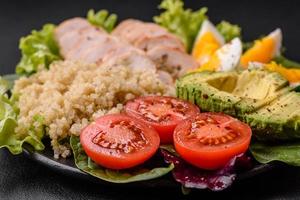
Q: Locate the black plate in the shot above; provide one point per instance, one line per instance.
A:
(67, 167)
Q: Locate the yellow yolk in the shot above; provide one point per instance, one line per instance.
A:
(207, 42)
(260, 52)
(211, 65)
(205, 47)
(263, 50)
(292, 75)
(226, 58)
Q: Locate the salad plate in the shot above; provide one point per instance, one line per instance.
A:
(68, 167)
(179, 101)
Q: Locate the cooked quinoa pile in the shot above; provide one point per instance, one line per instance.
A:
(70, 95)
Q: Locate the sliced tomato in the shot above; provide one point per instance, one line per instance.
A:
(162, 113)
(118, 141)
(210, 140)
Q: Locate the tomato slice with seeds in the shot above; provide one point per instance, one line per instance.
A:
(119, 142)
(210, 140)
(162, 113)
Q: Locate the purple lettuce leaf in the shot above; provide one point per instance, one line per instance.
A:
(216, 180)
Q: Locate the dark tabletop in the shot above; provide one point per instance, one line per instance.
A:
(21, 178)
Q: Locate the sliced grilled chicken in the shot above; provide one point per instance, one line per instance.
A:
(165, 77)
(134, 59)
(67, 42)
(171, 60)
(148, 43)
(95, 46)
(68, 34)
(147, 35)
(144, 30)
(87, 39)
(97, 52)
(132, 30)
(124, 26)
(70, 25)
(162, 47)
(164, 51)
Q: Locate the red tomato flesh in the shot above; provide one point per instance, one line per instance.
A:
(210, 140)
(162, 113)
(119, 142)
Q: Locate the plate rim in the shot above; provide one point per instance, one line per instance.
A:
(73, 171)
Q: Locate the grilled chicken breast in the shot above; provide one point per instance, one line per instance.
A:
(165, 49)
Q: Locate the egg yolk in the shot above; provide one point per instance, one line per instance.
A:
(292, 75)
(262, 51)
(204, 47)
(212, 65)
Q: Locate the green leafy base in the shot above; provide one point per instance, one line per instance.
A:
(141, 173)
(288, 153)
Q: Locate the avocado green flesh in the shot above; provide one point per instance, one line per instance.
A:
(260, 98)
(282, 117)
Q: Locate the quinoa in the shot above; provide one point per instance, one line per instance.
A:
(70, 95)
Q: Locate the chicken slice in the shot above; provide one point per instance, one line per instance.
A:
(165, 77)
(172, 61)
(131, 30)
(88, 38)
(129, 56)
(70, 25)
(148, 43)
(67, 42)
(124, 26)
(97, 52)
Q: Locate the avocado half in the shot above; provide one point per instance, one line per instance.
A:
(260, 98)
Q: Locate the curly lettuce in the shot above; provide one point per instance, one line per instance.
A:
(228, 30)
(8, 122)
(185, 23)
(39, 50)
(102, 19)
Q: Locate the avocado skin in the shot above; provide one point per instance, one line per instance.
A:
(206, 97)
(265, 125)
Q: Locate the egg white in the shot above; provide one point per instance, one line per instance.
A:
(229, 55)
(207, 26)
(276, 36)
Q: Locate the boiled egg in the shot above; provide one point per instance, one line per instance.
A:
(263, 50)
(291, 74)
(207, 42)
(225, 58)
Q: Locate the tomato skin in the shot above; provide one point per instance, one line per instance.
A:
(211, 156)
(165, 129)
(111, 157)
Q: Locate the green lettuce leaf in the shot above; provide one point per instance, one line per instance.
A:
(84, 163)
(102, 19)
(170, 148)
(286, 62)
(39, 50)
(288, 152)
(7, 82)
(8, 137)
(185, 23)
(8, 122)
(297, 88)
(4, 85)
(228, 30)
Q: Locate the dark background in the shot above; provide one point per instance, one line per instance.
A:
(21, 178)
